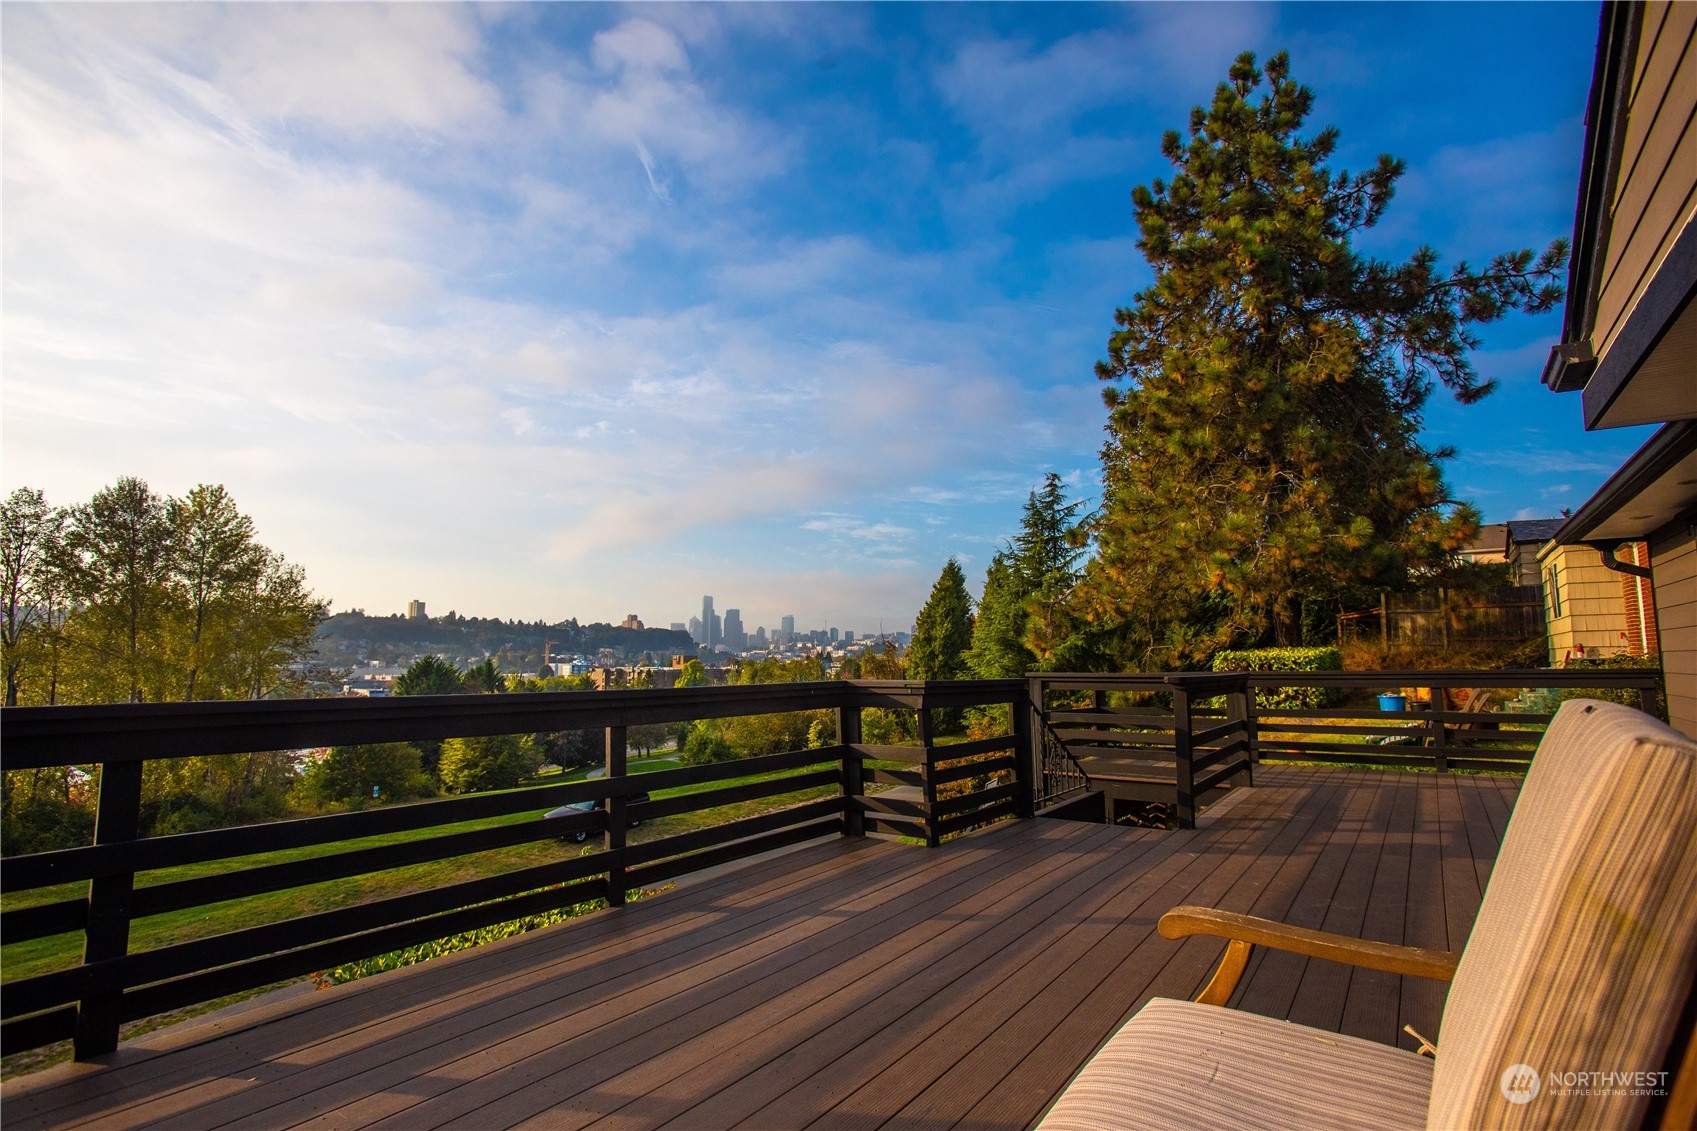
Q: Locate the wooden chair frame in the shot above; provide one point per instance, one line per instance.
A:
(1245, 932)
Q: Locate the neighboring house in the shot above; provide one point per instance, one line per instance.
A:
(1630, 338)
(1488, 546)
(1590, 608)
(1524, 539)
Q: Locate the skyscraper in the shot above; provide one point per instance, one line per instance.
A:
(735, 639)
(788, 629)
(708, 637)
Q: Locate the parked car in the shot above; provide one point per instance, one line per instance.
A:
(575, 807)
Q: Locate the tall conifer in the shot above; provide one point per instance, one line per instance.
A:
(1265, 414)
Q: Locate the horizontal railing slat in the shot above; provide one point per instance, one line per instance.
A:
(914, 754)
(43, 920)
(730, 795)
(23, 1033)
(254, 973)
(1203, 737)
(894, 826)
(892, 777)
(978, 817)
(663, 870)
(44, 869)
(730, 830)
(974, 748)
(949, 806)
(972, 769)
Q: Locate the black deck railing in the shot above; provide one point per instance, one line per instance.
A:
(1143, 737)
(1201, 731)
(958, 787)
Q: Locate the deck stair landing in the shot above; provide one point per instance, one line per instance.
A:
(850, 984)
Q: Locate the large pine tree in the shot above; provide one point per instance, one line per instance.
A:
(1264, 447)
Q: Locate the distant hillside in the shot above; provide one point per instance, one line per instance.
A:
(518, 645)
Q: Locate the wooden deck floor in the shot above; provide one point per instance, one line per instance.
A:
(852, 984)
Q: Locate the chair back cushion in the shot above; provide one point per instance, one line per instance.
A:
(1583, 951)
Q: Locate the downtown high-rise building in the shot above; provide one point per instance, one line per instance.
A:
(709, 623)
(787, 629)
(735, 638)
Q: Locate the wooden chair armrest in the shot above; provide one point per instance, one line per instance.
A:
(1248, 931)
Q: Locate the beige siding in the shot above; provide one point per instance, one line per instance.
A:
(1673, 559)
(1593, 612)
(1656, 195)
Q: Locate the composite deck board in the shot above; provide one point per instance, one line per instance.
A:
(1323, 994)
(346, 1016)
(852, 983)
(638, 1016)
(1150, 966)
(1371, 1007)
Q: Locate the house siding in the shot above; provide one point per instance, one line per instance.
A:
(1673, 560)
(1656, 196)
(1593, 620)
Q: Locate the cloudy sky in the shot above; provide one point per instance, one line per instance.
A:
(579, 310)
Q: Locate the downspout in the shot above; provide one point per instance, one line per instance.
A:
(1608, 549)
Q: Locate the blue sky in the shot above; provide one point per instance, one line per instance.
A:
(580, 310)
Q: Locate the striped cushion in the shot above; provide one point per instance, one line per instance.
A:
(1585, 943)
(1179, 1064)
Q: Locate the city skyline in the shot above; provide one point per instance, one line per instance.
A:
(563, 311)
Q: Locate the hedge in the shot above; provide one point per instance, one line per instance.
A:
(1286, 660)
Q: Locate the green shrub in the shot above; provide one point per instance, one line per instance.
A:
(1286, 660)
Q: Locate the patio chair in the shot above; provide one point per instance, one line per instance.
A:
(1581, 960)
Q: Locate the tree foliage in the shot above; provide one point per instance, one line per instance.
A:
(500, 761)
(1023, 619)
(1264, 423)
(942, 632)
(429, 675)
(135, 597)
(364, 775)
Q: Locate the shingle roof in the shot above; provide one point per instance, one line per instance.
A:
(1534, 531)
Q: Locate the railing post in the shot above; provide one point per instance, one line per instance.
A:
(614, 838)
(928, 768)
(1039, 739)
(853, 771)
(1651, 703)
(107, 936)
(1440, 729)
(1239, 705)
(1025, 768)
(1183, 757)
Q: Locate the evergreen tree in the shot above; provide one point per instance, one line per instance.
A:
(1023, 618)
(998, 632)
(484, 678)
(943, 632)
(429, 675)
(1263, 445)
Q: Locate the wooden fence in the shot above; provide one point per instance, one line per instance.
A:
(958, 787)
(1173, 738)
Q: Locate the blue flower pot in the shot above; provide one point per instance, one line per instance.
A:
(1393, 702)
